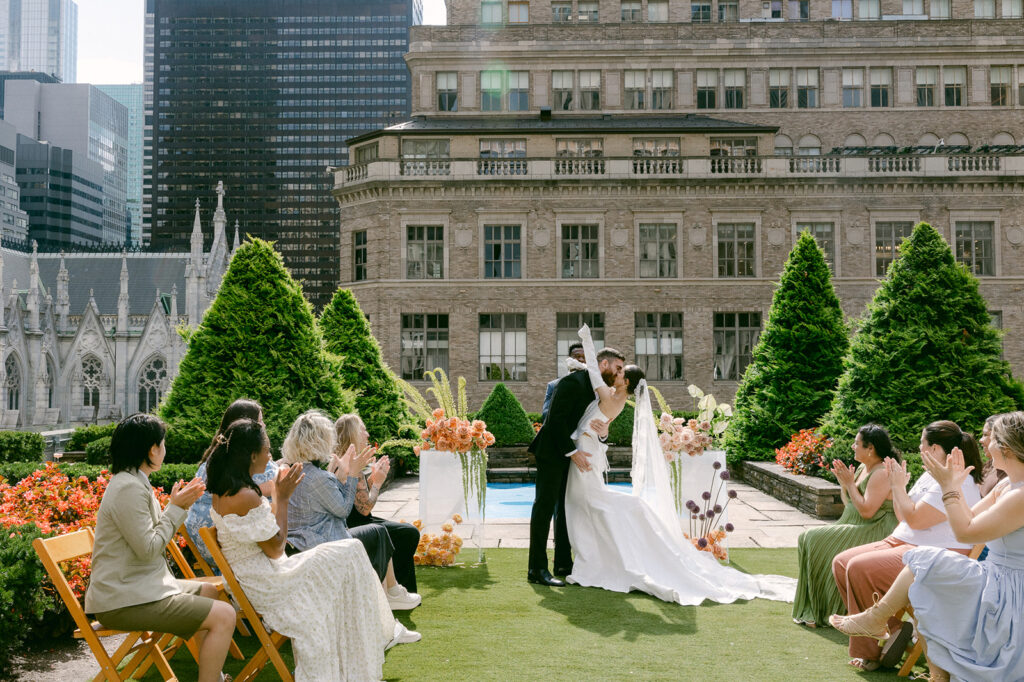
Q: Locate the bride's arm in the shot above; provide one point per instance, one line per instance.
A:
(593, 370)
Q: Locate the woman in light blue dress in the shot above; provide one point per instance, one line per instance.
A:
(970, 613)
(199, 513)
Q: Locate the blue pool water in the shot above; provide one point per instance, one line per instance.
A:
(514, 500)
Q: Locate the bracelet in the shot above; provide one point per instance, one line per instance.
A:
(951, 496)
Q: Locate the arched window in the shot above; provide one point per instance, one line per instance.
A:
(883, 140)
(810, 145)
(47, 379)
(854, 140)
(92, 378)
(1003, 138)
(928, 140)
(958, 139)
(152, 384)
(13, 382)
(783, 145)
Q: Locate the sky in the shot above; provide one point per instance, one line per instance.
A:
(110, 38)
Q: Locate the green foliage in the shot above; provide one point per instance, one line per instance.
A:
(620, 431)
(925, 350)
(185, 446)
(169, 474)
(258, 340)
(505, 418)
(21, 446)
(26, 607)
(378, 398)
(400, 452)
(98, 451)
(13, 472)
(84, 435)
(535, 417)
(796, 363)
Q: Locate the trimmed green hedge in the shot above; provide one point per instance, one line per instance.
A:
(84, 435)
(98, 451)
(620, 431)
(505, 418)
(20, 446)
(165, 478)
(26, 607)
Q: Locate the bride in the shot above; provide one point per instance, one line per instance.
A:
(626, 541)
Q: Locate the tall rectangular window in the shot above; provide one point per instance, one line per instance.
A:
(1013, 9)
(735, 335)
(659, 345)
(424, 344)
(662, 86)
(518, 12)
(868, 9)
(984, 9)
(561, 12)
(658, 250)
(580, 258)
(367, 153)
(707, 88)
(491, 87)
(842, 9)
(853, 88)
(590, 90)
(881, 87)
(359, 256)
(657, 11)
(561, 90)
(913, 7)
(519, 91)
(775, 9)
(825, 235)
(490, 13)
(975, 246)
(939, 9)
(728, 10)
(587, 12)
(503, 252)
(807, 88)
(567, 326)
(954, 82)
(799, 10)
(888, 237)
(999, 83)
(447, 91)
(926, 77)
(735, 81)
(736, 249)
(503, 347)
(700, 11)
(424, 252)
(631, 12)
(636, 89)
(778, 88)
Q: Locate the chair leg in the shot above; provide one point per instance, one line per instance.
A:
(108, 664)
(241, 626)
(253, 667)
(915, 653)
(275, 658)
(235, 652)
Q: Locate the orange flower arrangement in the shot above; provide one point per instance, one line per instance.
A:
(711, 542)
(452, 434)
(438, 549)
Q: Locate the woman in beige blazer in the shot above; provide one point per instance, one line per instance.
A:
(131, 587)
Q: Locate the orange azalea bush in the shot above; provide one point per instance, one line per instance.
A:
(804, 453)
(452, 434)
(440, 549)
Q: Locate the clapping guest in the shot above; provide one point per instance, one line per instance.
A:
(968, 612)
(199, 513)
(867, 517)
(862, 572)
(575, 353)
(131, 587)
(404, 536)
(990, 475)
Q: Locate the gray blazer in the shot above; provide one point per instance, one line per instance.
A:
(128, 564)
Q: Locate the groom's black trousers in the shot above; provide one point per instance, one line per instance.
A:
(550, 501)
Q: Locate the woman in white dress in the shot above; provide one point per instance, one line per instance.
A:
(626, 541)
(328, 600)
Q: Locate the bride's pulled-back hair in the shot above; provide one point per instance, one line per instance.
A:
(633, 375)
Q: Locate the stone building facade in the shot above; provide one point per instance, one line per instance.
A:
(87, 337)
(645, 166)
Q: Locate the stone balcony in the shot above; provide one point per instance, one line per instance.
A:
(903, 166)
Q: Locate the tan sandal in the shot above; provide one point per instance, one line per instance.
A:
(855, 626)
(865, 664)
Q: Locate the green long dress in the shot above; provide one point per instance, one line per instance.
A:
(817, 596)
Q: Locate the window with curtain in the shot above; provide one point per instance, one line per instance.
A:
(734, 338)
(424, 344)
(502, 347)
(659, 345)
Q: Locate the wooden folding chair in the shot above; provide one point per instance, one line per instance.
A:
(270, 642)
(917, 648)
(204, 567)
(146, 647)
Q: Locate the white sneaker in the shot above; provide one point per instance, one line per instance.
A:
(403, 635)
(400, 599)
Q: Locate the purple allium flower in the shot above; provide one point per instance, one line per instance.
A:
(718, 509)
(701, 516)
(716, 465)
(729, 528)
(724, 476)
(705, 495)
(693, 516)
(732, 494)
(690, 504)
(702, 543)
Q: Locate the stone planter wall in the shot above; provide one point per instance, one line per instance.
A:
(809, 494)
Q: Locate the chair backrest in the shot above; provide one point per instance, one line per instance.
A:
(54, 551)
(209, 536)
(201, 562)
(179, 559)
(976, 550)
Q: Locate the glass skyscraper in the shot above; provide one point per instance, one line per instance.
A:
(131, 97)
(40, 35)
(262, 94)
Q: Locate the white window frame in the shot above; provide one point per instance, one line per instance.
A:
(833, 216)
(439, 217)
(982, 215)
(488, 217)
(736, 216)
(649, 217)
(579, 218)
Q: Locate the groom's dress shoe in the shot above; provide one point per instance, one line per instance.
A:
(563, 571)
(540, 576)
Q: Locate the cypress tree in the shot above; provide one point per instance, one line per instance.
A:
(925, 350)
(258, 340)
(378, 398)
(505, 418)
(796, 364)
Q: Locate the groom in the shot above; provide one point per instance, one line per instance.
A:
(553, 448)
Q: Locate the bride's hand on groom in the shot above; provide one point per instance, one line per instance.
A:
(600, 427)
(581, 460)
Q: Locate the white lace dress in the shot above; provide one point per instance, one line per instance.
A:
(327, 599)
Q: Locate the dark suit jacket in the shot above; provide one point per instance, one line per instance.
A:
(554, 440)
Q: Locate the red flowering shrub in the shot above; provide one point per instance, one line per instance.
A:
(804, 453)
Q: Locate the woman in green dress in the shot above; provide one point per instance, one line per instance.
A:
(867, 517)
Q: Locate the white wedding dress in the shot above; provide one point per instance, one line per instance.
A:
(633, 541)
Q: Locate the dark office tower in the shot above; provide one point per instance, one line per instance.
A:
(262, 94)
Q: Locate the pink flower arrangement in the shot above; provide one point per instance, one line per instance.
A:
(678, 435)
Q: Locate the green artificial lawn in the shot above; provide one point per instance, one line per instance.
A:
(487, 623)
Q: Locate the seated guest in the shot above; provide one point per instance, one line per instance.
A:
(575, 353)
(328, 600)
(404, 536)
(864, 571)
(199, 513)
(968, 612)
(319, 509)
(867, 517)
(131, 587)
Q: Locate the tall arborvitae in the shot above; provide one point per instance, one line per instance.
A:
(925, 350)
(378, 398)
(797, 361)
(258, 340)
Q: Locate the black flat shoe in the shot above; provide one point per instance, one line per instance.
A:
(540, 576)
(563, 571)
(896, 646)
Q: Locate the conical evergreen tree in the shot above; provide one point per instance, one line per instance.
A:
(925, 350)
(258, 340)
(797, 361)
(505, 418)
(378, 398)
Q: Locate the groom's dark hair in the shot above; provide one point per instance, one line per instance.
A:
(609, 353)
